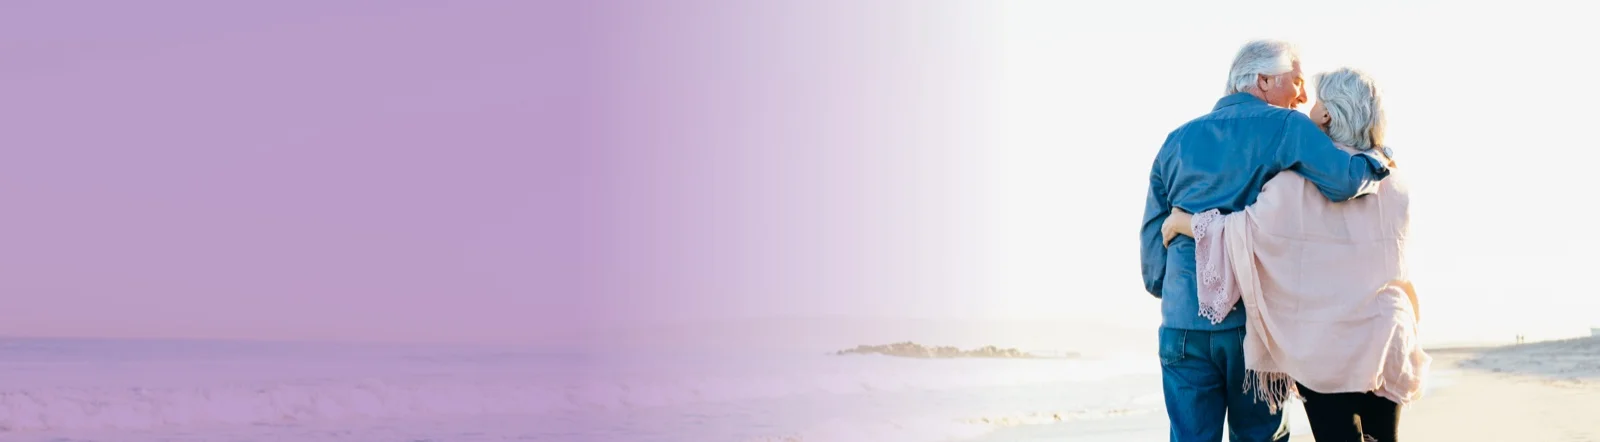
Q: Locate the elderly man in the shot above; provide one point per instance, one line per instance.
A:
(1220, 161)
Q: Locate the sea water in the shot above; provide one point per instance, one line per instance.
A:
(131, 390)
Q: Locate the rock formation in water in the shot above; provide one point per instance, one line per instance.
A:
(914, 350)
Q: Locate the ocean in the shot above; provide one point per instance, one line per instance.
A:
(169, 390)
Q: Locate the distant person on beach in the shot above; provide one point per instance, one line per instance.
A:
(1331, 314)
(1220, 161)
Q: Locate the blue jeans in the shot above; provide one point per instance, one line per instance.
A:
(1202, 377)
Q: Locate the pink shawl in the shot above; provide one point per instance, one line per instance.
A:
(1326, 294)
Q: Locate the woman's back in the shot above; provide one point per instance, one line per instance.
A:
(1341, 254)
(1333, 281)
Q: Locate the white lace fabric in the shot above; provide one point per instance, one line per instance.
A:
(1217, 291)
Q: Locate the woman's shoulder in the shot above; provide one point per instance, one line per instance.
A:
(1287, 190)
(1291, 185)
(1397, 183)
(1287, 179)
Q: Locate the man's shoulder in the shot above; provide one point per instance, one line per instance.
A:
(1290, 116)
(1245, 115)
(1227, 123)
(1268, 114)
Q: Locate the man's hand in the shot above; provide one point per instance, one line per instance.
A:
(1176, 224)
(1379, 154)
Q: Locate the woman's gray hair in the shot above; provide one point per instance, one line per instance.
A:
(1355, 107)
(1260, 57)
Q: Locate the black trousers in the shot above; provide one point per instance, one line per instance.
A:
(1346, 417)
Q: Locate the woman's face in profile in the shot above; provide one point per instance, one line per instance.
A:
(1319, 115)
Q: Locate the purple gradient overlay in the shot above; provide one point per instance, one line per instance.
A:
(783, 159)
(480, 171)
(485, 170)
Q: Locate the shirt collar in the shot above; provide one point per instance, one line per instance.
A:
(1238, 98)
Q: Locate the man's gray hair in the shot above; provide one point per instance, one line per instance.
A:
(1355, 107)
(1260, 57)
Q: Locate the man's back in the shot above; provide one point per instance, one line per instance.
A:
(1220, 161)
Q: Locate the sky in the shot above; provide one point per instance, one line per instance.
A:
(507, 170)
(1491, 132)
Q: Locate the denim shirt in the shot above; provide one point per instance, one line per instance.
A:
(1220, 161)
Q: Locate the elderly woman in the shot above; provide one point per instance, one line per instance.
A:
(1331, 313)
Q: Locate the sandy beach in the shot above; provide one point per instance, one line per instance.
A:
(1547, 391)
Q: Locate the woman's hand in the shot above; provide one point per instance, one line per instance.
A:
(1177, 224)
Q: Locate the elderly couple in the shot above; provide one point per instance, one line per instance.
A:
(1276, 243)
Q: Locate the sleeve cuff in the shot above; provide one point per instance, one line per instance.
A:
(1379, 166)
